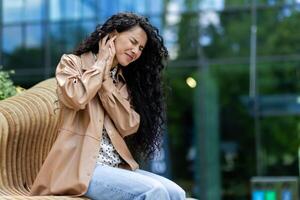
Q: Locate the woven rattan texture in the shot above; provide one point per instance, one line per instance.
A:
(28, 128)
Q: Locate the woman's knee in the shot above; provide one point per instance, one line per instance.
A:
(180, 194)
(176, 192)
(155, 191)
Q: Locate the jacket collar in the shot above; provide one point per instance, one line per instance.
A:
(88, 60)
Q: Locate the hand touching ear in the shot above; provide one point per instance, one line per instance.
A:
(107, 52)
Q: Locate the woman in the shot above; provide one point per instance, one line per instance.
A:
(110, 94)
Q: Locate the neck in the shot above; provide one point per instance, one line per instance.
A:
(115, 62)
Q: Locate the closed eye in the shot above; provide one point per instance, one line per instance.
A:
(135, 42)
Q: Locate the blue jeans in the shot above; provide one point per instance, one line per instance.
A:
(111, 183)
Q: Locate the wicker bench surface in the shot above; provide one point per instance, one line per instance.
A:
(28, 128)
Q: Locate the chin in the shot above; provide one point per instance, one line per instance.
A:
(124, 64)
(123, 61)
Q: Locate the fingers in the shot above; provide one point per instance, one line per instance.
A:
(111, 46)
(102, 42)
(110, 41)
(113, 38)
(107, 49)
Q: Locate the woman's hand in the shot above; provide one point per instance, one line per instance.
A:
(107, 52)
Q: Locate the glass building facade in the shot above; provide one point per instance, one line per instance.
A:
(226, 122)
(44, 29)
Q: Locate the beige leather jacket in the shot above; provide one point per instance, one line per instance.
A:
(89, 101)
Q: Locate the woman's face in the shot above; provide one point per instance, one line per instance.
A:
(129, 45)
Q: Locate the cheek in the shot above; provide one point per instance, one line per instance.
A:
(138, 55)
(119, 44)
(122, 42)
(120, 49)
(117, 48)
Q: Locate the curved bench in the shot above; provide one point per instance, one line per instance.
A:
(28, 128)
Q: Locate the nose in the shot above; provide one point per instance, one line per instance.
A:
(135, 50)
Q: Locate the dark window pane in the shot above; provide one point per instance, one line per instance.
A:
(57, 42)
(26, 59)
(66, 36)
(72, 40)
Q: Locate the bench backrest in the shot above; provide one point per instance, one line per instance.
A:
(28, 128)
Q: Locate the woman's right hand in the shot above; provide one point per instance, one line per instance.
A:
(106, 51)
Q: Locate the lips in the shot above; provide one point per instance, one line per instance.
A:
(130, 57)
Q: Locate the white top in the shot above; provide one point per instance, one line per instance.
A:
(108, 154)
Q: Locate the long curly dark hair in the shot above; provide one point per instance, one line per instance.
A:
(143, 79)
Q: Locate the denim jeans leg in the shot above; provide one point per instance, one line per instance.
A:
(110, 183)
(174, 190)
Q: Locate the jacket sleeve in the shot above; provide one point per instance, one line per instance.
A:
(76, 88)
(118, 107)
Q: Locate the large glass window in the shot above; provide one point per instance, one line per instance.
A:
(55, 10)
(33, 10)
(87, 28)
(77, 34)
(62, 10)
(13, 11)
(89, 8)
(156, 7)
(22, 10)
(12, 38)
(107, 8)
(157, 22)
(33, 36)
(58, 44)
(141, 6)
(70, 9)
